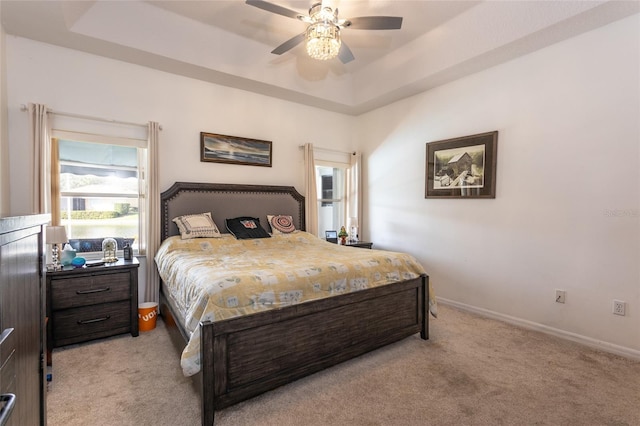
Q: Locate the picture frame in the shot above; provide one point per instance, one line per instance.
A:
(463, 167)
(218, 148)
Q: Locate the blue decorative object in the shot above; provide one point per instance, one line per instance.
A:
(78, 262)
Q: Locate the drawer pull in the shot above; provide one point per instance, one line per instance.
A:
(9, 401)
(98, 290)
(91, 321)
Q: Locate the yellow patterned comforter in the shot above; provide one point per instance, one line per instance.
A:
(211, 279)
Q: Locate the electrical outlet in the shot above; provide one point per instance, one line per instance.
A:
(619, 307)
(560, 295)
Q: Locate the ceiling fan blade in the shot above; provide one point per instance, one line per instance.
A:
(288, 45)
(345, 55)
(274, 8)
(375, 23)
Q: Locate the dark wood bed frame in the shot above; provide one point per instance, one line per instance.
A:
(246, 356)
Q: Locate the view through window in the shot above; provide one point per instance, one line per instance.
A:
(331, 190)
(101, 193)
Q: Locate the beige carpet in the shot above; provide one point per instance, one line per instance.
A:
(473, 371)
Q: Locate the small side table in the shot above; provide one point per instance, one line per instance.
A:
(92, 302)
(361, 244)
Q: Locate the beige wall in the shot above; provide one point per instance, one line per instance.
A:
(567, 210)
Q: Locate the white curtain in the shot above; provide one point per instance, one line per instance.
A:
(311, 197)
(152, 288)
(39, 133)
(354, 191)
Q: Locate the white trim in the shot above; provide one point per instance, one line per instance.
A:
(587, 341)
(332, 164)
(99, 195)
(89, 117)
(96, 138)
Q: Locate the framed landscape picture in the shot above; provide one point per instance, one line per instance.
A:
(462, 167)
(234, 150)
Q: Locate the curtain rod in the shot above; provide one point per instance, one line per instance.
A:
(330, 150)
(23, 107)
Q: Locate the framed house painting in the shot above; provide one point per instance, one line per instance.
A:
(462, 167)
(234, 150)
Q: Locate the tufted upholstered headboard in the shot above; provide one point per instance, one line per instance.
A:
(226, 201)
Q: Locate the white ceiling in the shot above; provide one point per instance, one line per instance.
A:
(229, 42)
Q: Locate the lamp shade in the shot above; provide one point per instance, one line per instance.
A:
(56, 235)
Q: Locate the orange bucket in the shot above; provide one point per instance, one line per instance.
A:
(147, 313)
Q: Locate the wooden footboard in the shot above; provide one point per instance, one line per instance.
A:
(244, 357)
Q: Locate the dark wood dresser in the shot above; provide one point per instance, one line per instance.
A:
(22, 320)
(92, 302)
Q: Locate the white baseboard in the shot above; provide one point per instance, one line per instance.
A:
(587, 341)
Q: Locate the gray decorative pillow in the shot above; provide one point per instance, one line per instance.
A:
(197, 226)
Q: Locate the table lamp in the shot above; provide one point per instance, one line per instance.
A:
(56, 235)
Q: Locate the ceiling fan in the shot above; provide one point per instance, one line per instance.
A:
(322, 36)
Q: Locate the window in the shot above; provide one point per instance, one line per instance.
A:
(101, 194)
(338, 197)
(331, 191)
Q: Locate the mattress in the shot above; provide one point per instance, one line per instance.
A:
(213, 279)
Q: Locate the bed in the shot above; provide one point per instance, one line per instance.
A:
(239, 357)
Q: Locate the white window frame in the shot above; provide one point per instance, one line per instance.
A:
(136, 142)
(345, 196)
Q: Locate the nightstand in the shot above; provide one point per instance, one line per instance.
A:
(361, 244)
(92, 302)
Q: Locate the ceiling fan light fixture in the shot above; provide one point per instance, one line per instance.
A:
(322, 36)
(323, 40)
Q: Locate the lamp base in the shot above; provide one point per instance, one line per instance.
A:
(51, 267)
(56, 265)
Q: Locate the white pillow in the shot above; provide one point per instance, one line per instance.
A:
(197, 226)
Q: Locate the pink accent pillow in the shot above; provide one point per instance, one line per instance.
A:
(281, 224)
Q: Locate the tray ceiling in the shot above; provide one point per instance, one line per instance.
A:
(229, 42)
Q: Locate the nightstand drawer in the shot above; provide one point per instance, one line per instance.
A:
(91, 322)
(89, 290)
